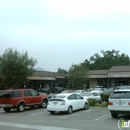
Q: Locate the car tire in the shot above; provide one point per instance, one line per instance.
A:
(70, 109)
(7, 109)
(85, 106)
(52, 112)
(44, 103)
(21, 107)
(114, 115)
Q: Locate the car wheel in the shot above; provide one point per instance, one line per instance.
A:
(44, 103)
(85, 106)
(52, 112)
(7, 109)
(114, 115)
(21, 107)
(70, 110)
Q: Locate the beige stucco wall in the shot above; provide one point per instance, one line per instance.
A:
(92, 83)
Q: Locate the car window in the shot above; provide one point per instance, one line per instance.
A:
(59, 96)
(96, 94)
(82, 91)
(27, 93)
(2, 93)
(120, 95)
(5, 94)
(77, 96)
(33, 92)
(93, 94)
(85, 94)
(71, 97)
(17, 94)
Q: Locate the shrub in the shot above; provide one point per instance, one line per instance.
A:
(105, 97)
(91, 101)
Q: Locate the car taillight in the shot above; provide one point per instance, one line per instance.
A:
(110, 103)
(63, 103)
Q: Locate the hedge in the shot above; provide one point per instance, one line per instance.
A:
(105, 97)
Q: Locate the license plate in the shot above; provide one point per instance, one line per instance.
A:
(55, 103)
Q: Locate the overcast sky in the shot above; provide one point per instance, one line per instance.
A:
(59, 33)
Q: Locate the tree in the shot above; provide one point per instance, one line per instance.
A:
(78, 76)
(15, 67)
(106, 60)
(62, 71)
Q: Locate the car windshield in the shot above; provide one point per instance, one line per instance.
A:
(122, 87)
(59, 96)
(85, 94)
(120, 95)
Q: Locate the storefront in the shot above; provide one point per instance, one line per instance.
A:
(115, 76)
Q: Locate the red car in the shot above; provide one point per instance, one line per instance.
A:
(20, 98)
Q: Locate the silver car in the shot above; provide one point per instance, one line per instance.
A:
(119, 102)
(94, 95)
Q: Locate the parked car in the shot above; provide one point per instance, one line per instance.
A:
(49, 96)
(20, 98)
(67, 91)
(94, 95)
(57, 90)
(99, 87)
(122, 87)
(90, 89)
(46, 90)
(79, 91)
(67, 102)
(100, 90)
(119, 102)
(108, 91)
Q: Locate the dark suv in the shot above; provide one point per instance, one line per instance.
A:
(46, 90)
(57, 90)
(20, 98)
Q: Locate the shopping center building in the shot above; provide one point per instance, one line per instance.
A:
(115, 76)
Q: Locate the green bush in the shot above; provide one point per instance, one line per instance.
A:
(91, 101)
(105, 97)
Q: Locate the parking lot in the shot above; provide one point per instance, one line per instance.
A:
(40, 119)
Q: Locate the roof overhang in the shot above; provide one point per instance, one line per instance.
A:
(119, 74)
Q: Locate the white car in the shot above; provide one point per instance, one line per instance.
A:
(100, 90)
(119, 102)
(67, 102)
(79, 91)
(94, 95)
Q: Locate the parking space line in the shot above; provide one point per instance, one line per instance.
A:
(75, 114)
(40, 113)
(103, 117)
(33, 127)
